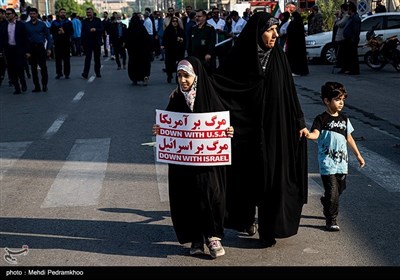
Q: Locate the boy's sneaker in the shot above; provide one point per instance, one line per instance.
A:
(251, 230)
(332, 226)
(215, 247)
(197, 248)
(146, 81)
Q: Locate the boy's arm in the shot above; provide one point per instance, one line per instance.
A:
(356, 152)
(313, 135)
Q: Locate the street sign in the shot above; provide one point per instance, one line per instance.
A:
(363, 7)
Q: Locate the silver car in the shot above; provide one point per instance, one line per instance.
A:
(321, 46)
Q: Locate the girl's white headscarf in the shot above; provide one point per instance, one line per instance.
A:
(190, 95)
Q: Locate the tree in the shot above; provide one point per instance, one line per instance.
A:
(88, 4)
(71, 6)
(328, 9)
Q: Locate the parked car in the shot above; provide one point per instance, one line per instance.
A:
(321, 46)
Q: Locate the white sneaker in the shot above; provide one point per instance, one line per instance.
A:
(215, 247)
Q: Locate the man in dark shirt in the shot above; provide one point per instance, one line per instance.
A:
(62, 31)
(380, 8)
(3, 22)
(202, 41)
(106, 32)
(13, 44)
(92, 30)
(40, 45)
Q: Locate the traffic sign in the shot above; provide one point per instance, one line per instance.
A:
(363, 7)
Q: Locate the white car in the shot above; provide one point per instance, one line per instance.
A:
(321, 46)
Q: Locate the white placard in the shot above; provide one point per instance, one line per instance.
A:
(193, 138)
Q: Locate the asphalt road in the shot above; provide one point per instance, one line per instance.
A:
(79, 186)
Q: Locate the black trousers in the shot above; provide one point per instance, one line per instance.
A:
(105, 45)
(334, 185)
(96, 52)
(119, 51)
(350, 57)
(38, 58)
(62, 56)
(2, 68)
(15, 68)
(76, 46)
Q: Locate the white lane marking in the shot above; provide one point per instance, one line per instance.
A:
(43, 235)
(313, 187)
(385, 132)
(78, 96)
(93, 77)
(80, 180)
(162, 180)
(55, 126)
(161, 172)
(151, 144)
(10, 152)
(379, 169)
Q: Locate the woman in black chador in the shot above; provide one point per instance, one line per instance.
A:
(296, 46)
(174, 45)
(139, 50)
(269, 154)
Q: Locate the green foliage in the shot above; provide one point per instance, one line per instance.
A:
(328, 9)
(200, 4)
(89, 4)
(71, 6)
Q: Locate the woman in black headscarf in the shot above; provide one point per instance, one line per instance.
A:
(269, 154)
(296, 46)
(197, 193)
(139, 49)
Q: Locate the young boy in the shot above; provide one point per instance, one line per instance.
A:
(333, 131)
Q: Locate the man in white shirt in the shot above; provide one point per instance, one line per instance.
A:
(238, 23)
(218, 24)
(148, 24)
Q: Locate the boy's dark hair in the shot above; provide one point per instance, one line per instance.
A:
(332, 90)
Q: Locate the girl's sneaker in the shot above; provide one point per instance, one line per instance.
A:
(215, 247)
